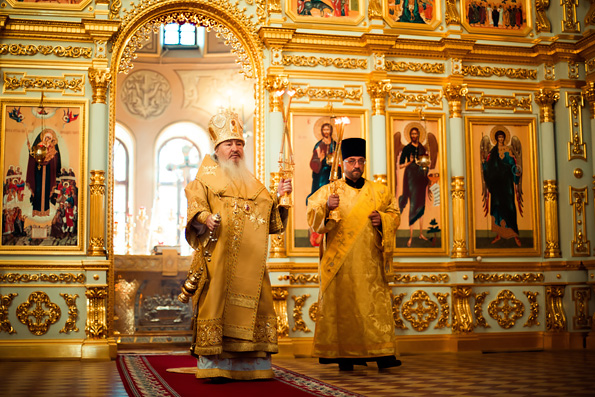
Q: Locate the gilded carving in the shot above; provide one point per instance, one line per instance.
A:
(589, 94)
(581, 297)
(534, 306)
(114, 9)
(274, 84)
(380, 178)
(20, 81)
(59, 51)
(300, 278)
(459, 248)
(313, 311)
(299, 323)
(432, 278)
(5, 301)
(516, 102)
(379, 61)
(261, 11)
(426, 67)
(73, 313)
(333, 94)
(374, 9)
(462, 318)
(578, 200)
(517, 278)
(99, 80)
(570, 24)
(454, 95)
(275, 6)
(451, 15)
(96, 327)
(276, 56)
(590, 17)
(401, 97)
(397, 301)
(66, 278)
(420, 311)
(552, 239)
(573, 70)
(377, 90)
(490, 71)
(555, 318)
(546, 99)
(480, 320)
(542, 23)
(312, 61)
(280, 304)
(549, 71)
(506, 309)
(577, 148)
(42, 316)
(444, 310)
(124, 305)
(97, 214)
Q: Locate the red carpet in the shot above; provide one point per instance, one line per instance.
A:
(146, 375)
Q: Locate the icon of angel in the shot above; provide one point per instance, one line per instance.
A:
(417, 157)
(502, 172)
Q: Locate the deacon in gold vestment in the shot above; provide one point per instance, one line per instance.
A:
(355, 320)
(235, 330)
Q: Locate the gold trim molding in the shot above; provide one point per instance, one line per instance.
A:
(577, 148)
(401, 98)
(280, 304)
(432, 278)
(67, 278)
(59, 51)
(518, 278)
(459, 246)
(97, 214)
(542, 23)
(397, 302)
(96, 327)
(426, 67)
(420, 310)
(73, 313)
(43, 318)
(546, 99)
(581, 246)
(312, 61)
(552, 237)
(5, 301)
(300, 278)
(349, 94)
(20, 82)
(555, 318)
(377, 90)
(444, 310)
(454, 94)
(299, 323)
(480, 320)
(491, 71)
(519, 103)
(534, 307)
(462, 317)
(506, 309)
(581, 297)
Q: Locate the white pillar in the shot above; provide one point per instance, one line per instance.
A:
(378, 146)
(457, 147)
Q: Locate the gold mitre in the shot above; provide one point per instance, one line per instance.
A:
(225, 125)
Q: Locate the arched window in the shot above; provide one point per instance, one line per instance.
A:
(180, 149)
(123, 186)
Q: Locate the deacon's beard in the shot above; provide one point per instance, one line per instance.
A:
(238, 172)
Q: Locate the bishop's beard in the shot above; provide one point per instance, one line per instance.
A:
(237, 172)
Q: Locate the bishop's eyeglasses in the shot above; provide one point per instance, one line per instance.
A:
(352, 162)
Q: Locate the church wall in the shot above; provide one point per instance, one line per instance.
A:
(457, 295)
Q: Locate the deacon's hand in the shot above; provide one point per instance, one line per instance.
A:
(284, 187)
(375, 218)
(333, 201)
(213, 223)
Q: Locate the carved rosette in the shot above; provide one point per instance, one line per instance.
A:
(280, 304)
(277, 249)
(462, 317)
(459, 248)
(444, 310)
(96, 327)
(42, 316)
(397, 301)
(581, 319)
(73, 313)
(581, 246)
(272, 84)
(542, 23)
(97, 214)
(589, 93)
(100, 80)
(546, 99)
(532, 320)
(299, 323)
(506, 309)
(5, 301)
(454, 94)
(378, 90)
(480, 320)
(420, 311)
(555, 318)
(552, 238)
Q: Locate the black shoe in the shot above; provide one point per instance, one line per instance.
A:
(387, 362)
(345, 367)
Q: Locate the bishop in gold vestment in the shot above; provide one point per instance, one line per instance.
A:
(355, 321)
(235, 330)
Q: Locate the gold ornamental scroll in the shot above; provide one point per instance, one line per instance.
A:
(462, 316)
(552, 238)
(97, 214)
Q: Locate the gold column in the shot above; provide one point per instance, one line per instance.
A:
(552, 239)
(97, 214)
(459, 245)
(454, 94)
(277, 249)
(462, 317)
(99, 80)
(378, 90)
(272, 84)
(546, 99)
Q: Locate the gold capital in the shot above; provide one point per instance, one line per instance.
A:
(546, 99)
(378, 90)
(100, 80)
(273, 84)
(454, 94)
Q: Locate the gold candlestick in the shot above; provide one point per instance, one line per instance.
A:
(286, 163)
(340, 124)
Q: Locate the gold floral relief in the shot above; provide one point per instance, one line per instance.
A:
(480, 320)
(20, 82)
(299, 323)
(5, 301)
(519, 103)
(59, 51)
(425, 278)
(274, 84)
(534, 307)
(114, 9)
(377, 90)
(401, 98)
(66, 278)
(349, 94)
(491, 71)
(581, 246)
(517, 278)
(444, 310)
(312, 61)
(462, 318)
(313, 311)
(426, 67)
(73, 313)
(100, 80)
(420, 311)
(542, 23)
(506, 309)
(452, 16)
(280, 304)
(546, 99)
(38, 313)
(96, 327)
(555, 318)
(581, 297)
(397, 301)
(454, 94)
(577, 148)
(300, 278)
